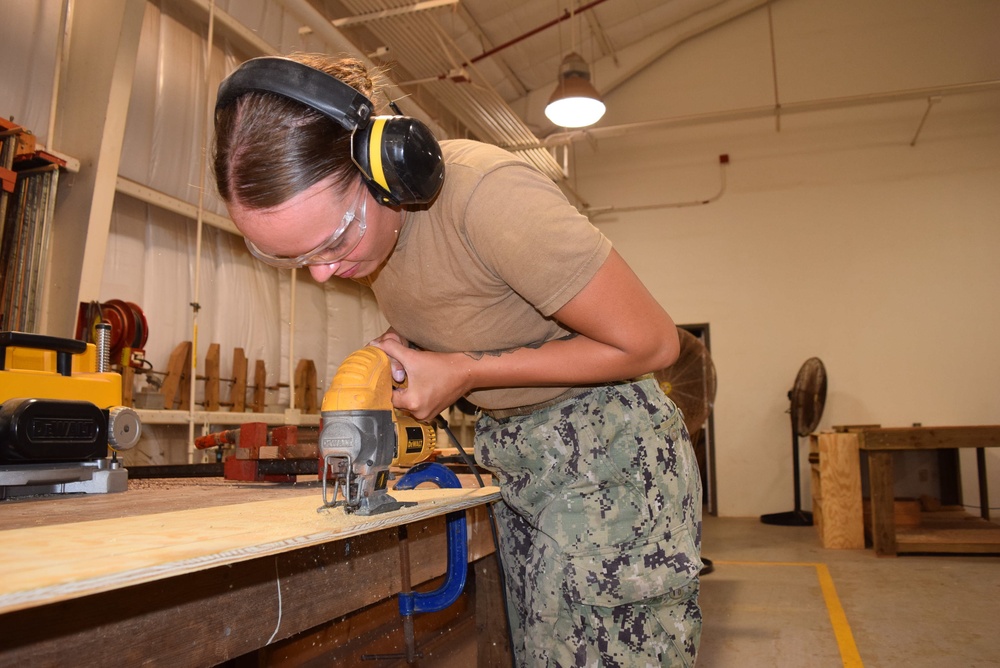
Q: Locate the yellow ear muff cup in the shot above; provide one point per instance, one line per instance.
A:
(375, 153)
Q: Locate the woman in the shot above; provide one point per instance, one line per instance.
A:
(499, 291)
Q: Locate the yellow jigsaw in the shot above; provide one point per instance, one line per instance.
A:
(362, 435)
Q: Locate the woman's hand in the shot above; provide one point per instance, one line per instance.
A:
(434, 381)
(398, 370)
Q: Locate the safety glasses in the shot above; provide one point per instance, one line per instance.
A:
(337, 246)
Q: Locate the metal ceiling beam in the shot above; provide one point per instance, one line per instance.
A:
(601, 37)
(566, 15)
(672, 37)
(385, 13)
(312, 17)
(500, 62)
(749, 113)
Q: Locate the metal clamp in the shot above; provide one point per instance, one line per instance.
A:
(458, 561)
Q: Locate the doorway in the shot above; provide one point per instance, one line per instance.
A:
(704, 440)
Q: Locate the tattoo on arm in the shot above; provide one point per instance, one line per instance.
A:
(480, 354)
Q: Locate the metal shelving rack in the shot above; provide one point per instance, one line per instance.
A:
(30, 179)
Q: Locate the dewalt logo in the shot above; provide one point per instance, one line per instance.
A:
(61, 429)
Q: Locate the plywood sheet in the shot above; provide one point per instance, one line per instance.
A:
(54, 562)
(840, 492)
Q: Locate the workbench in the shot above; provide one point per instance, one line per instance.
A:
(949, 536)
(198, 572)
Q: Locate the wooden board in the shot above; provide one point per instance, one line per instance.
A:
(839, 493)
(54, 562)
(212, 378)
(952, 541)
(950, 531)
(930, 438)
(238, 391)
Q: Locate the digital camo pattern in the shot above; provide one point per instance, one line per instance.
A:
(600, 530)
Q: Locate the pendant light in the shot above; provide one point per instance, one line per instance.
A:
(575, 103)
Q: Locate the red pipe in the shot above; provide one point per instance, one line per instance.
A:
(565, 15)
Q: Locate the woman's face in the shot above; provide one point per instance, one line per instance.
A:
(306, 221)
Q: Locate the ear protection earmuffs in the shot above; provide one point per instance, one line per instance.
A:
(399, 158)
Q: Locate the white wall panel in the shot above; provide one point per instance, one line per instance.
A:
(30, 32)
(835, 238)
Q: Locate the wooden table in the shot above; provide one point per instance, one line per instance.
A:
(879, 444)
(198, 572)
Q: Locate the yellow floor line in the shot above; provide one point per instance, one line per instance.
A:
(838, 619)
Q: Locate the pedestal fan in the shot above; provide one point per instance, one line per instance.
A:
(807, 397)
(690, 383)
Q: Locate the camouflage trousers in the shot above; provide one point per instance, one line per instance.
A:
(599, 529)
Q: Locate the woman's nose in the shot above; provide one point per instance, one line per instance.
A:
(322, 272)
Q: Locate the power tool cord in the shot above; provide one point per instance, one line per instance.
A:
(443, 423)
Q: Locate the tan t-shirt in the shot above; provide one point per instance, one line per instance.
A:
(486, 265)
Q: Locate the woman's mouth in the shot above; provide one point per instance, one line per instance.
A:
(350, 271)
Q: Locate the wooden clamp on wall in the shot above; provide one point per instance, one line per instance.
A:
(306, 390)
(176, 388)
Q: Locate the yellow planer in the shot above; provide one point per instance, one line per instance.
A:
(362, 436)
(59, 413)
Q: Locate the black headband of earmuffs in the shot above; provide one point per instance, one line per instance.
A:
(398, 156)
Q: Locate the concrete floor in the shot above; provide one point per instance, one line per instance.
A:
(777, 598)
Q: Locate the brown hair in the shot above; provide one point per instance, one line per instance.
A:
(269, 148)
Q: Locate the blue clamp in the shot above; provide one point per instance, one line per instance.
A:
(454, 583)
